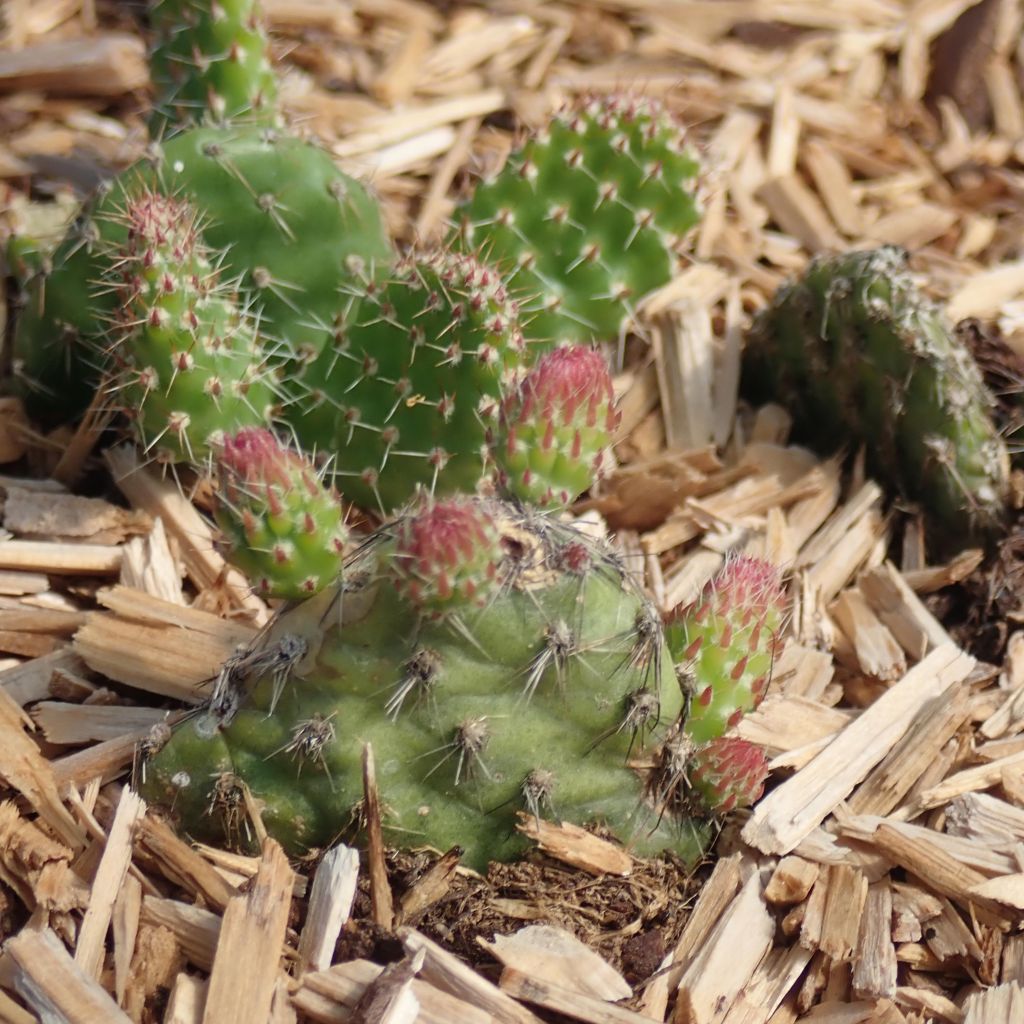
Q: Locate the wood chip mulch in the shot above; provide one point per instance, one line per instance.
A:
(881, 878)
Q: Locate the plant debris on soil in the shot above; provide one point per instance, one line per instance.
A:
(881, 878)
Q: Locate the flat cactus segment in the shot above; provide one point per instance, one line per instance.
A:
(588, 216)
(284, 527)
(555, 427)
(210, 61)
(406, 393)
(294, 231)
(724, 644)
(857, 354)
(186, 365)
(727, 774)
(526, 703)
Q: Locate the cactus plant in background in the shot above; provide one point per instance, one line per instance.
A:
(724, 644)
(284, 527)
(184, 361)
(497, 660)
(588, 216)
(405, 394)
(856, 353)
(210, 61)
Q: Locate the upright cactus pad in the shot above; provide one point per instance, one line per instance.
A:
(411, 385)
(588, 216)
(556, 426)
(293, 230)
(724, 644)
(283, 525)
(186, 364)
(480, 701)
(210, 61)
(858, 355)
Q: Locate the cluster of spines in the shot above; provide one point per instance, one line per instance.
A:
(555, 427)
(186, 362)
(284, 526)
(589, 215)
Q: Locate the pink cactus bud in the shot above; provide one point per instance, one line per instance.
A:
(728, 773)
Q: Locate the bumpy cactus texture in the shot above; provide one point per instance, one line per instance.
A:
(185, 363)
(555, 427)
(210, 62)
(588, 216)
(856, 353)
(527, 691)
(724, 644)
(295, 232)
(284, 527)
(407, 391)
(727, 774)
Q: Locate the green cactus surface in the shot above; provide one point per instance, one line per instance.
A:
(290, 228)
(406, 394)
(209, 62)
(555, 427)
(726, 774)
(534, 691)
(185, 363)
(857, 354)
(588, 216)
(724, 644)
(284, 527)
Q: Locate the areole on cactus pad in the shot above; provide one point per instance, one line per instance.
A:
(498, 661)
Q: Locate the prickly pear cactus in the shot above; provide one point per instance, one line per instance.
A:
(724, 644)
(588, 216)
(408, 389)
(498, 662)
(726, 774)
(857, 355)
(184, 363)
(283, 525)
(555, 427)
(209, 61)
(293, 230)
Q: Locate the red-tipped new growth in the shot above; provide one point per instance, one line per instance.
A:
(283, 525)
(727, 773)
(724, 644)
(446, 555)
(555, 427)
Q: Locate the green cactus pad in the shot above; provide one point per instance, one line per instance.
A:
(724, 644)
(284, 526)
(186, 365)
(405, 396)
(210, 61)
(291, 228)
(858, 356)
(588, 216)
(555, 427)
(525, 704)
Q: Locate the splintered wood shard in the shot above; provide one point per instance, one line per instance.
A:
(800, 804)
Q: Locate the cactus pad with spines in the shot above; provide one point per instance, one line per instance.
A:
(555, 427)
(858, 355)
(185, 363)
(588, 216)
(407, 392)
(210, 62)
(524, 701)
(724, 644)
(283, 525)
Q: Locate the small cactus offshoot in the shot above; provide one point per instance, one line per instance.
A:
(284, 526)
(727, 774)
(555, 427)
(724, 644)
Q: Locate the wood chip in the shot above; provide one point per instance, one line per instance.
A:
(576, 846)
(108, 65)
(330, 902)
